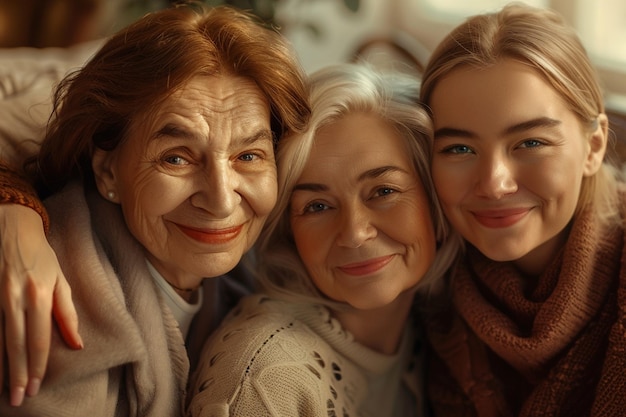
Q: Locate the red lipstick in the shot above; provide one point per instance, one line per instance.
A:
(366, 267)
(211, 236)
(497, 219)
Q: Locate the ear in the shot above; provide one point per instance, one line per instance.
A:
(102, 165)
(597, 146)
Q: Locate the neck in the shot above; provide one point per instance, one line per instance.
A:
(380, 329)
(189, 295)
(535, 262)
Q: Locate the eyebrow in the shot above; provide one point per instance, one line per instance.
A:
(370, 173)
(172, 130)
(175, 131)
(540, 122)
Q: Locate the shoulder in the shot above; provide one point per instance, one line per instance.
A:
(253, 328)
(263, 356)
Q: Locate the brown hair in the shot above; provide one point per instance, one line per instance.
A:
(143, 64)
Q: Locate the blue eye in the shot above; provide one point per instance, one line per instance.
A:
(385, 191)
(457, 149)
(176, 160)
(248, 157)
(315, 207)
(531, 143)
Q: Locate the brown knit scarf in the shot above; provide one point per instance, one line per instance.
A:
(563, 338)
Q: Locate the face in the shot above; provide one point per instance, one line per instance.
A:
(360, 216)
(509, 161)
(197, 180)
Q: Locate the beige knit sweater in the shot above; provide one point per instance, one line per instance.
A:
(277, 358)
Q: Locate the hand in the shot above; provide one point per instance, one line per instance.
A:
(32, 289)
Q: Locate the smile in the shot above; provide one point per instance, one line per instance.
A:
(367, 267)
(497, 219)
(212, 236)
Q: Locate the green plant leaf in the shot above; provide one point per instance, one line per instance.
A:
(353, 5)
(313, 29)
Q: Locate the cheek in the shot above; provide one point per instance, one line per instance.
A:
(153, 196)
(304, 243)
(448, 183)
(562, 183)
(311, 242)
(411, 225)
(261, 192)
(417, 231)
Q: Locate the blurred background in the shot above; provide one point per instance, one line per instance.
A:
(418, 25)
(389, 32)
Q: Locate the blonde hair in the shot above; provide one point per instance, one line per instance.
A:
(335, 92)
(541, 39)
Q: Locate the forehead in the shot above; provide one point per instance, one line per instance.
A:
(355, 142)
(216, 100)
(495, 97)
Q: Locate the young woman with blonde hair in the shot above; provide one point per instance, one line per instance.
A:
(537, 322)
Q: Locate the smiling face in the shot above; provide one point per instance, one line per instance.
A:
(197, 179)
(508, 162)
(359, 214)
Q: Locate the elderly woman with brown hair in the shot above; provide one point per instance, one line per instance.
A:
(159, 169)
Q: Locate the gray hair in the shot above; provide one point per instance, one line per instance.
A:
(336, 91)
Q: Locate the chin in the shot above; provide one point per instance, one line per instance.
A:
(215, 266)
(371, 304)
(500, 254)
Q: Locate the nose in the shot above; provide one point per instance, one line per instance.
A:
(217, 190)
(496, 177)
(355, 226)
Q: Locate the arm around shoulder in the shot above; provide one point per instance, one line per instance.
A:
(32, 286)
(15, 189)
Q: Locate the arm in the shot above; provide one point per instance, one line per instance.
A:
(32, 287)
(28, 266)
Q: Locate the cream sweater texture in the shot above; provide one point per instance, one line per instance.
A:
(278, 358)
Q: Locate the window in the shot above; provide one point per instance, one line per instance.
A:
(459, 10)
(601, 25)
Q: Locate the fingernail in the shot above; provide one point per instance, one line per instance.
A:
(33, 387)
(17, 396)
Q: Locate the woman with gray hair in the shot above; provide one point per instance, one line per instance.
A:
(356, 242)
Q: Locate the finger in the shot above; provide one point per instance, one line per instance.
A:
(38, 325)
(65, 313)
(2, 328)
(16, 353)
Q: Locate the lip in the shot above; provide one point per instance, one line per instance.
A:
(211, 236)
(497, 219)
(366, 267)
